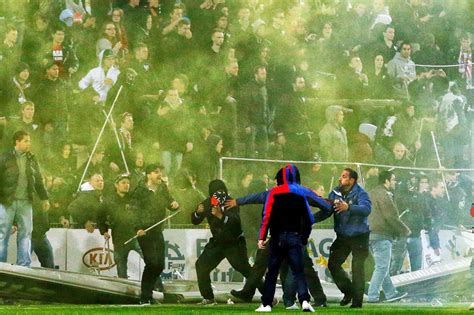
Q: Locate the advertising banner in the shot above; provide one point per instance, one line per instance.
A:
(80, 251)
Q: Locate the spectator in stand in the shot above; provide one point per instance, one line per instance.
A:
(17, 90)
(176, 16)
(242, 29)
(353, 82)
(127, 142)
(291, 118)
(217, 39)
(117, 16)
(453, 131)
(385, 46)
(465, 61)
(103, 77)
(9, 53)
(328, 48)
(53, 101)
(96, 166)
(407, 128)
(222, 23)
(380, 85)
(25, 122)
(402, 69)
(355, 33)
(60, 51)
(360, 149)
(179, 46)
(109, 40)
(380, 12)
(171, 117)
(188, 195)
(333, 136)
(258, 114)
(429, 53)
(34, 38)
(133, 14)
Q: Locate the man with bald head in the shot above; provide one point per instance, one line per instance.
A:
(85, 208)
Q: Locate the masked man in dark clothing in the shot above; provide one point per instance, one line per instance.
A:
(115, 214)
(287, 215)
(227, 238)
(151, 199)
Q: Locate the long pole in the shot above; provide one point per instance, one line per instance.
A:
(114, 127)
(439, 164)
(98, 138)
(153, 226)
(419, 139)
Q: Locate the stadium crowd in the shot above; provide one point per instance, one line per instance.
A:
(385, 82)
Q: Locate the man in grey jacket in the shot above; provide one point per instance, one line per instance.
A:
(402, 69)
(385, 226)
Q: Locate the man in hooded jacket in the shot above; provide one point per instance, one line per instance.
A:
(227, 238)
(260, 265)
(287, 214)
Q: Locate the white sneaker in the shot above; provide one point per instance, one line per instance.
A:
(264, 309)
(306, 307)
(293, 307)
(471, 307)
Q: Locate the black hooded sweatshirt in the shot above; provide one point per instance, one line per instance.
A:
(228, 228)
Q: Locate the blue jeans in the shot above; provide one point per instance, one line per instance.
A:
(21, 213)
(415, 252)
(381, 248)
(285, 245)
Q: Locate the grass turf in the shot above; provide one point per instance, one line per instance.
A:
(401, 308)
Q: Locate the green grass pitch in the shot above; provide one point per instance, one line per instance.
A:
(400, 308)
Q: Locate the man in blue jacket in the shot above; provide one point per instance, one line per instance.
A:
(351, 209)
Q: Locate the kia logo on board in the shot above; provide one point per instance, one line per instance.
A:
(99, 258)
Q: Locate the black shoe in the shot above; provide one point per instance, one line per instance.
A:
(241, 295)
(345, 300)
(355, 306)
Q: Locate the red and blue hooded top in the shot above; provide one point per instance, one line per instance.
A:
(286, 207)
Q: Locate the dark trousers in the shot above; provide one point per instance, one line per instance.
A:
(340, 250)
(286, 245)
(312, 278)
(121, 256)
(255, 280)
(42, 248)
(213, 254)
(153, 249)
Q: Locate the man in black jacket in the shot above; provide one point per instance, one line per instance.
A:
(151, 199)
(227, 238)
(116, 213)
(20, 177)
